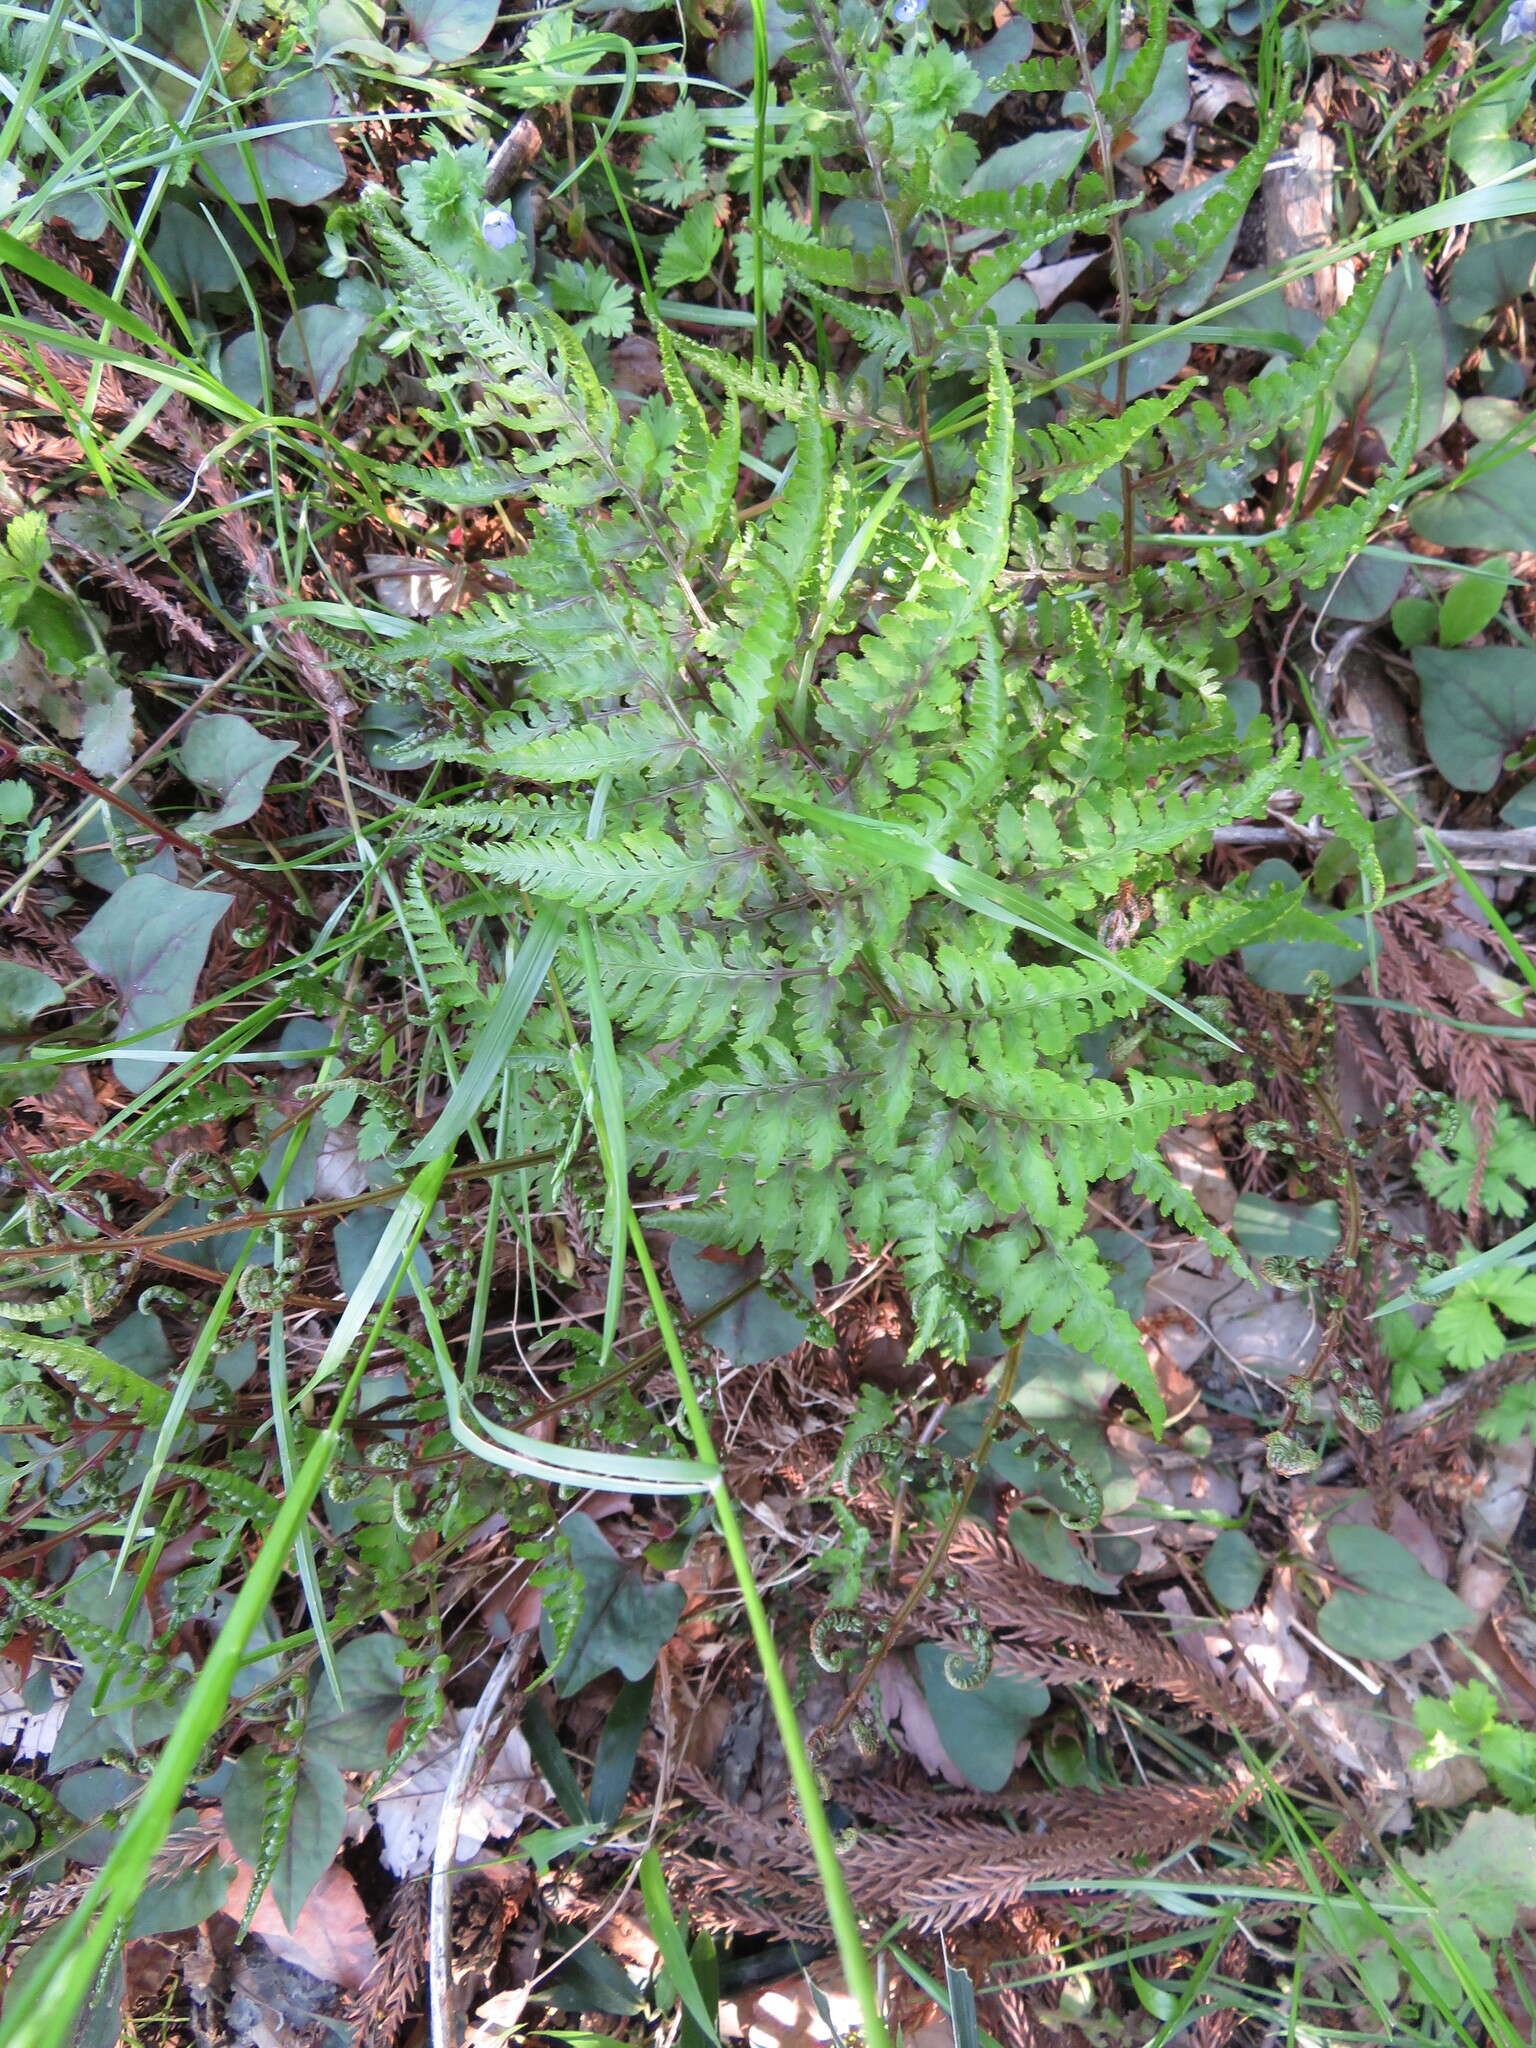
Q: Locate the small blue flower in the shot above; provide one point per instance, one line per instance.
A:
(498, 229)
(1520, 21)
(908, 10)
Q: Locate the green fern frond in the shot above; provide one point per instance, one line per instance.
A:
(447, 974)
(644, 870)
(100, 1379)
(1072, 455)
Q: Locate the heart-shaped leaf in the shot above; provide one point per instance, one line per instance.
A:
(1494, 508)
(150, 940)
(311, 1835)
(1398, 365)
(980, 1730)
(623, 1622)
(1477, 705)
(450, 29)
(353, 1731)
(300, 163)
(753, 1329)
(229, 758)
(1392, 1604)
(1233, 1570)
(24, 991)
(318, 343)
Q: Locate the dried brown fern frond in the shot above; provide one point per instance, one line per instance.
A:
(1040, 1629)
(728, 1900)
(166, 610)
(949, 1872)
(976, 1870)
(388, 1995)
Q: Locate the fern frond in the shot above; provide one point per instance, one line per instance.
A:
(448, 976)
(1071, 455)
(636, 871)
(116, 1388)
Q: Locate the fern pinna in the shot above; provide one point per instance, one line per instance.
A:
(884, 820)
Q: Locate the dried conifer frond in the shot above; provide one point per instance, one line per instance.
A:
(178, 621)
(948, 1872)
(1042, 1630)
(387, 1997)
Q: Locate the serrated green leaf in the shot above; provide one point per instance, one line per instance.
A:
(688, 254)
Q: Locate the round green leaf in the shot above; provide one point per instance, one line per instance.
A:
(1493, 509)
(450, 29)
(1233, 1570)
(299, 163)
(18, 1831)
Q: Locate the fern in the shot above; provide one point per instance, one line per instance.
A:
(101, 1380)
(448, 977)
(815, 1044)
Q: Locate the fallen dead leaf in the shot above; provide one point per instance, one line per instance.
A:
(794, 2013)
(332, 1940)
(1194, 1156)
(410, 1807)
(498, 2018)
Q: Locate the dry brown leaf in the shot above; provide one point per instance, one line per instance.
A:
(332, 1940)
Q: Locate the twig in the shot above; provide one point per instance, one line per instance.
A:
(1470, 1387)
(1487, 849)
(445, 2033)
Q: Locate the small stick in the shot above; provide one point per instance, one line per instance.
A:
(445, 2031)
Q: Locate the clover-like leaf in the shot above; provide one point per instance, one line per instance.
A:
(623, 1622)
(150, 940)
(228, 757)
